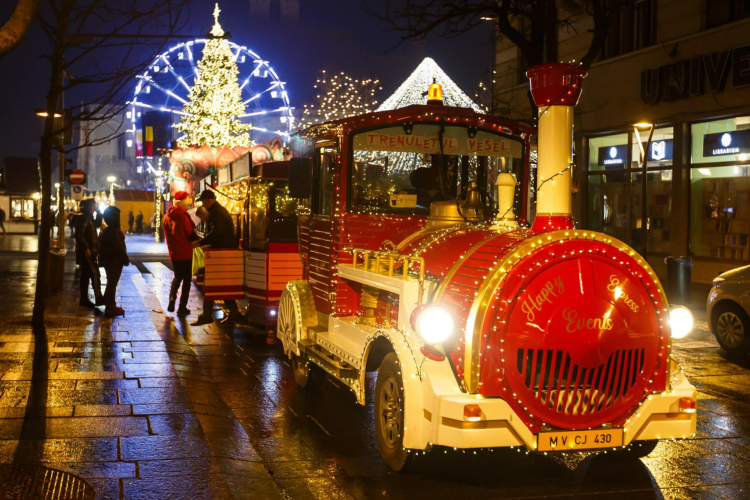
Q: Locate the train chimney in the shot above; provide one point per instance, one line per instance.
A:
(555, 88)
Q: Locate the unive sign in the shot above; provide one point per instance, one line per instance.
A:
(691, 77)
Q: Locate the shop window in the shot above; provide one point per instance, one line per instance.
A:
(608, 153)
(720, 189)
(616, 189)
(720, 12)
(22, 208)
(720, 212)
(724, 140)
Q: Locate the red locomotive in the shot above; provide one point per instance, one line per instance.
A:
(484, 331)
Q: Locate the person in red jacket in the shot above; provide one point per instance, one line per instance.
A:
(179, 230)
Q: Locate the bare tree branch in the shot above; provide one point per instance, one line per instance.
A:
(15, 30)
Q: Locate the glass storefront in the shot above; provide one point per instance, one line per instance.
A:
(720, 189)
(616, 188)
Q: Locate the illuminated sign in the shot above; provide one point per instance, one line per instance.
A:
(660, 150)
(613, 156)
(726, 143)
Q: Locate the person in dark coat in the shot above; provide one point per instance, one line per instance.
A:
(139, 223)
(86, 226)
(2, 220)
(131, 221)
(179, 230)
(219, 234)
(113, 256)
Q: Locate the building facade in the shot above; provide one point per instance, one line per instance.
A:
(681, 70)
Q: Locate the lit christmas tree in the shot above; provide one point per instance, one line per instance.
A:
(340, 96)
(412, 90)
(215, 99)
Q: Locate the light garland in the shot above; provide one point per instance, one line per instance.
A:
(215, 99)
(411, 91)
(552, 177)
(340, 96)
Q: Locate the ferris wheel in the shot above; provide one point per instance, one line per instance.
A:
(162, 91)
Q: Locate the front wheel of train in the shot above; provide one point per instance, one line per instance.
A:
(389, 414)
(306, 374)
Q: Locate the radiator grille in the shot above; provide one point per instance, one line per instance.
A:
(569, 389)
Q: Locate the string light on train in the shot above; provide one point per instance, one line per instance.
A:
(551, 178)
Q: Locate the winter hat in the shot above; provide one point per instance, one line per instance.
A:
(182, 199)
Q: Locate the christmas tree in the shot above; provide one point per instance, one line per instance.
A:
(215, 99)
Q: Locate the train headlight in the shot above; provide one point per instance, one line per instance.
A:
(433, 324)
(681, 321)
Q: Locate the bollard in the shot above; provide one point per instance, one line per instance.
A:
(56, 269)
(679, 280)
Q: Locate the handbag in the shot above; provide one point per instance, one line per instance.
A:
(199, 260)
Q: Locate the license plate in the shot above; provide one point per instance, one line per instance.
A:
(579, 440)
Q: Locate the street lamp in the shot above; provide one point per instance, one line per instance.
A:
(637, 128)
(61, 161)
(111, 179)
(158, 186)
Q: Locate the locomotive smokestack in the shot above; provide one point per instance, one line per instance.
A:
(555, 88)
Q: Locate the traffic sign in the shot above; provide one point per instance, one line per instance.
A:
(76, 192)
(77, 177)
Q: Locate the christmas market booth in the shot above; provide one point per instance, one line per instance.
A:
(265, 218)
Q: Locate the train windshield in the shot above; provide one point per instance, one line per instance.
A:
(402, 169)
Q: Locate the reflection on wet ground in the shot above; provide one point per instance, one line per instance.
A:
(146, 406)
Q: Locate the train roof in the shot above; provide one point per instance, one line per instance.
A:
(418, 112)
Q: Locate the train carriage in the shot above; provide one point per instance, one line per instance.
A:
(265, 219)
(485, 331)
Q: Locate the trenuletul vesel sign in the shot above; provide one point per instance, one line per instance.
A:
(455, 142)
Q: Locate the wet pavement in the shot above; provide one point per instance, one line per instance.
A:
(147, 407)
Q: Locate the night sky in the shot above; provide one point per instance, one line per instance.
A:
(336, 35)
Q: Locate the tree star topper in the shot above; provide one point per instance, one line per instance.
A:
(217, 31)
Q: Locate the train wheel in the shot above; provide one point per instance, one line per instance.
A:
(389, 414)
(305, 373)
(287, 327)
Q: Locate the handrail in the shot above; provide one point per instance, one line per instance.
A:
(393, 258)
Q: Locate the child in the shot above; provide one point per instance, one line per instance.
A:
(113, 256)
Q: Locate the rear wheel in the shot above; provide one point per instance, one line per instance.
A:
(732, 328)
(389, 414)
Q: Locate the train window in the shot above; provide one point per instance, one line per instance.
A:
(323, 182)
(403, 169)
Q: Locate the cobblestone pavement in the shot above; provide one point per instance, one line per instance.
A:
(147, 407)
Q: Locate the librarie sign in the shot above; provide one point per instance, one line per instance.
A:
(726, 143)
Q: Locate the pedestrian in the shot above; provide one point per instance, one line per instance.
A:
(219, 234)
(179, 231)
(152, 224)
(113, 256)
(131, 221)
(139, 223)
(86, 250)
(2, 220)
